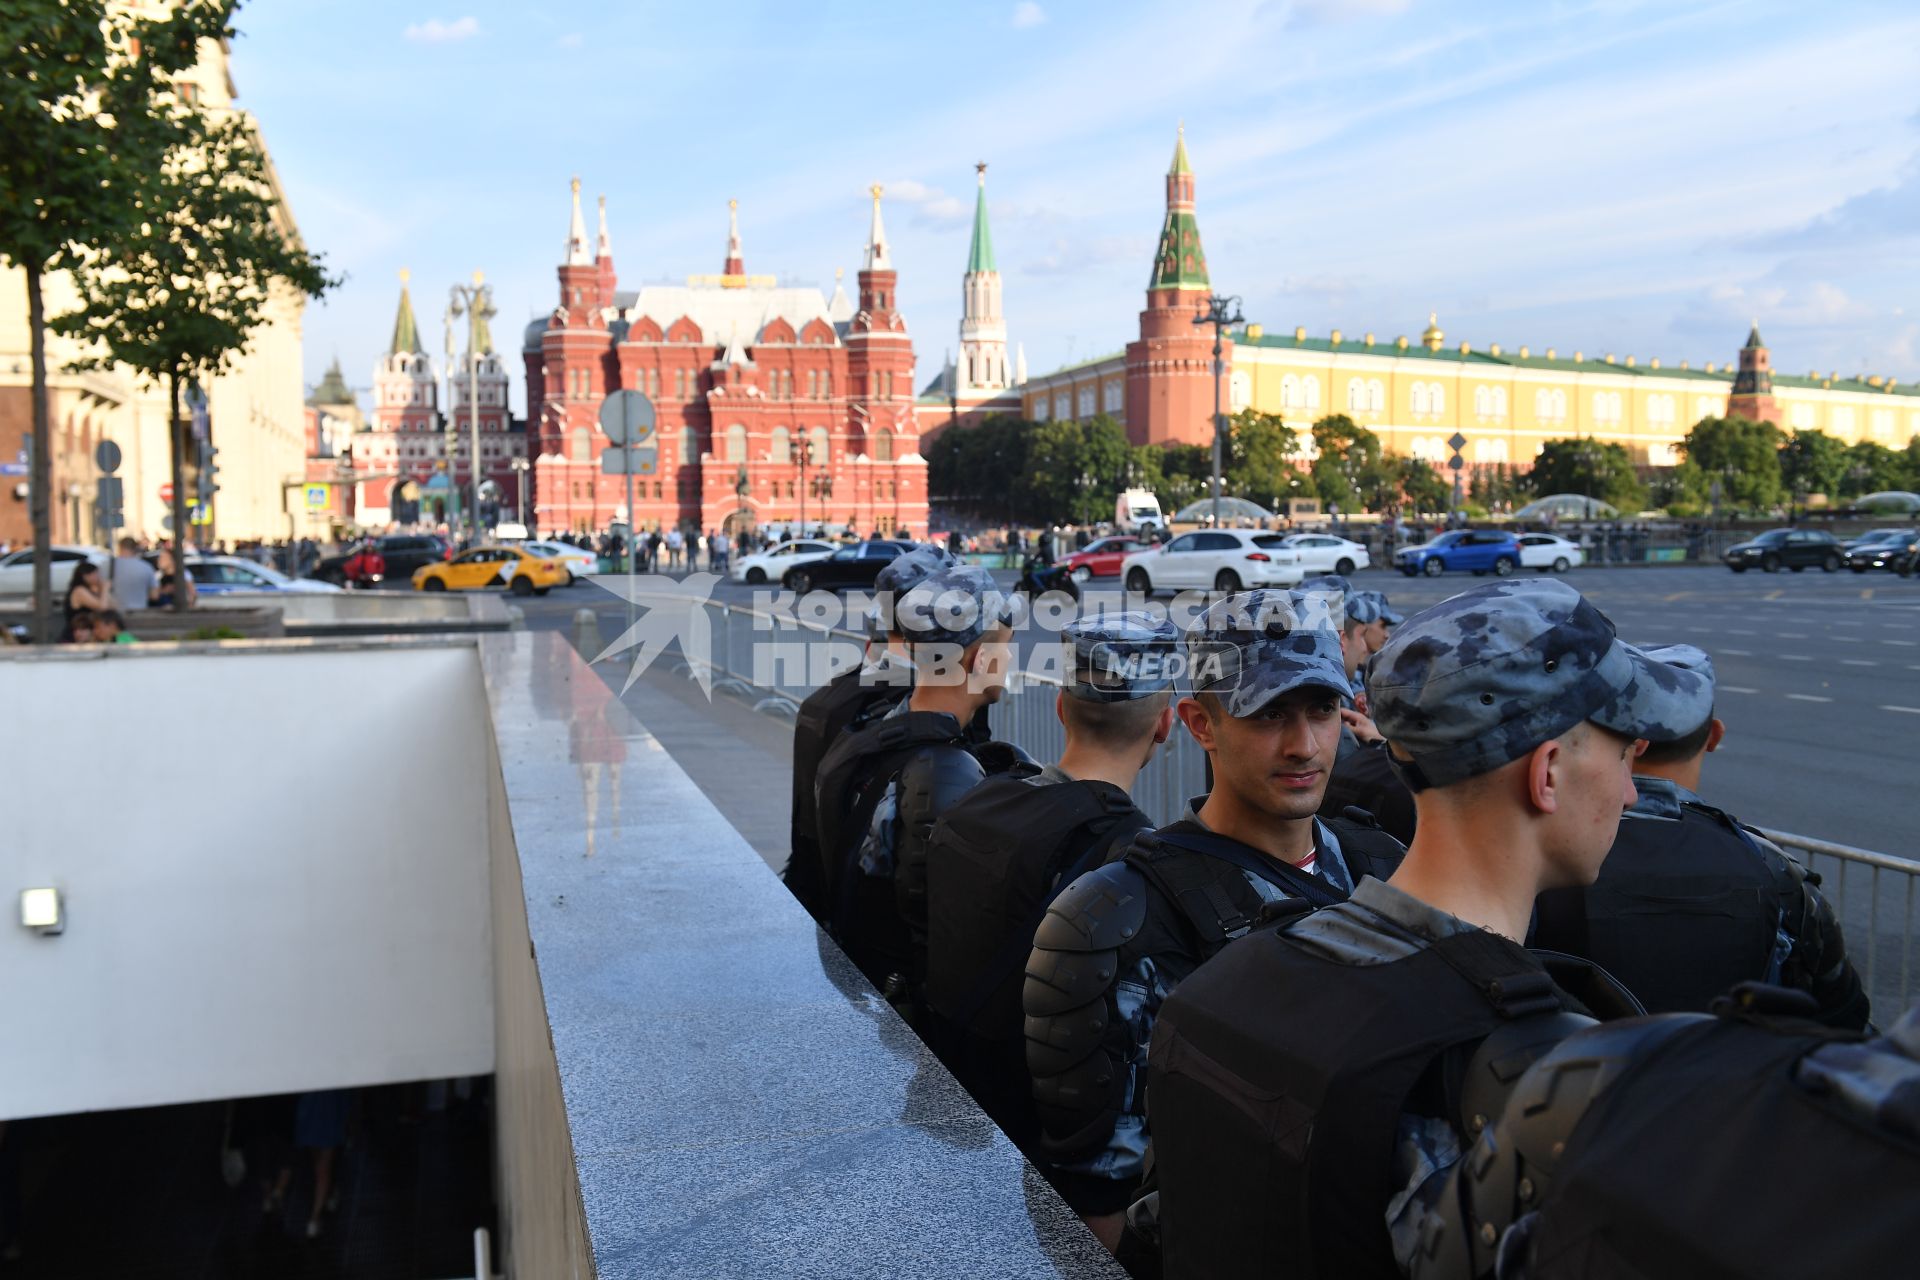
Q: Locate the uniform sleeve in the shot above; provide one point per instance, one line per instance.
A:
(1817, 960)
(1425, 1149)
(1107, 1178)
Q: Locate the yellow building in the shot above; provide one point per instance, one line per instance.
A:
(1416, 393)
(256, 411)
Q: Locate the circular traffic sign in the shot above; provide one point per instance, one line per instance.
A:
(166, 493)
(626, 417)
(107, 455)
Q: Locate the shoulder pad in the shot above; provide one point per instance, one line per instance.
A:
(1100, 911)
(998, 757)
(935, 775)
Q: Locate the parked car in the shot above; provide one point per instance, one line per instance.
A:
(519, 571)
(403, 552)
(1550, 552)
(579, 561)
(1476, 550)
(1794, 549)
(855, 565)
(1324, 553)
(1101, 558)
(224, 575)
(1883, 549)
(1874, 535)
(16, 569)
(1214, 559)
(772, 564)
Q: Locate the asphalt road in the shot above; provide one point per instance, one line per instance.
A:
(1819, 678)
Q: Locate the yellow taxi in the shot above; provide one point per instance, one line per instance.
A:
(520, 572)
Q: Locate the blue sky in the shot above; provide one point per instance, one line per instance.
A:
(1638, 178)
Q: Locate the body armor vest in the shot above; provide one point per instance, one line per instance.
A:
(1681, 913)
(824, 715)
(1277, 1082)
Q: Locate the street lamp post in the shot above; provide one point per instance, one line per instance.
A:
(520, 467)
(1221, 312)
(801, 452)
(476, 302)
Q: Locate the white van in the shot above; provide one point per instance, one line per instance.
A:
(1137, 511)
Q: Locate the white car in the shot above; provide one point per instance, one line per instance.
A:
(226, 575)
(580, 563)
(772, 564)
(1549, 553)
(1213, 560)
(1324, 553)
(16, 569)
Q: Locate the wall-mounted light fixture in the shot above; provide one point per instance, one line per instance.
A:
(42, 911)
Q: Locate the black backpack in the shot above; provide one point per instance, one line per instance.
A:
(999, 858)
(824, 715)
(1716, 1154)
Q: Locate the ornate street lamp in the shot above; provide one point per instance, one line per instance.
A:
(1221, 312)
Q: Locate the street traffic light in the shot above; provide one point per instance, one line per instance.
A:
(206, 474)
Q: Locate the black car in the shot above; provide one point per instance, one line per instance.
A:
(1884, 550)
(403, 552)
(1794, 549)
(855, 565)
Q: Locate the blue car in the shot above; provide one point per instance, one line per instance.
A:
(1477, 550)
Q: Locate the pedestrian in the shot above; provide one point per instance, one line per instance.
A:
(1264, 706)
(674, 544)
(722, 549)
(110, 628)
(653, 549)
(1753, 913)
(319, 1126)
(1515, 713)
(86, 592)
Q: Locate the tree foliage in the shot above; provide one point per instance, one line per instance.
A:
(87, 101)
(1590, 468)
(1260, 463)
(1742, 457)
(183, 292)
(1870, 468)
(1351, 471)
(1813, 462)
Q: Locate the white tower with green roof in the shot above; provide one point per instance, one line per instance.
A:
(983, 326)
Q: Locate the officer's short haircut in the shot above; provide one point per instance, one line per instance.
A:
(1115, 725)
(1681, 750)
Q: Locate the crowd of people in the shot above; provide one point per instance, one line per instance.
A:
(1444, 862)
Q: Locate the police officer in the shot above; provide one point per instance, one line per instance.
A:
(1306, 1085)
(1363, 778)
(882, 787)
(1003, 850)
(1751, 913)
(882, 678)
(1752, 1143)
(1267, 679)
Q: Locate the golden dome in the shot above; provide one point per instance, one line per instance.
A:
(1434, 338)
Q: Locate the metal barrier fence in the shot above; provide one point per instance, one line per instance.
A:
(776, 660)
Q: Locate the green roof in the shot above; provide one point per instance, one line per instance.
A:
(980, 257)
(1753, 339)
(1180, 164)
(406, 334)
(1083, 364)
(1512, 359)
(333, 388)
(1180, 262)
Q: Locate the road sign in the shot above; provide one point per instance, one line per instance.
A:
(108, 492)
(319, 497)
(13, 468)
(627, 418)
(640, 460)
(107, 455)
(1456, 462)
(1456, 442)
(166, 493)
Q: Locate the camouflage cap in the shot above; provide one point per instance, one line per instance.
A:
(955, 604)
(1382, 610)
(1252, 647)
(1339, 595)
(1688, 658)
(1117, 657)
(898, 575)
(1483, 678)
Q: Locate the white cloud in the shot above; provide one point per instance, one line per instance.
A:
(1028, 14)
(572, 40)
(434, 31)
(930, 204)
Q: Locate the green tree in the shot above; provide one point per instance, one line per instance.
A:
(1680, 491)
(1742, 456)
(86, 97)
(181, 294)
(978, 467)
(1591, 469)
(1351, 471)
(1871, 468)
(1187, 471)
(1813, 462)
(1910, 469)
(1260, 464)
(1422, 487)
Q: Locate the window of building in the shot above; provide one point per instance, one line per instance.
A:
(826, 384)
(1419, 394)
(1086, 402)
(1376, 396)
(1116, 395)
(1289, 392)
(582, 444)
(1310, 392)
(1041, 409)
(1606, 406)
(780, 445)
(1061, 408)
(883, 446)
(736, 443)
(1882, 423)
(818, 437)
(1842, 419)
(1356, 396)
(1491, 450)
(1661, 411)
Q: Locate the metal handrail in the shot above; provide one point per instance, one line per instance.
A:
(1845, 852)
